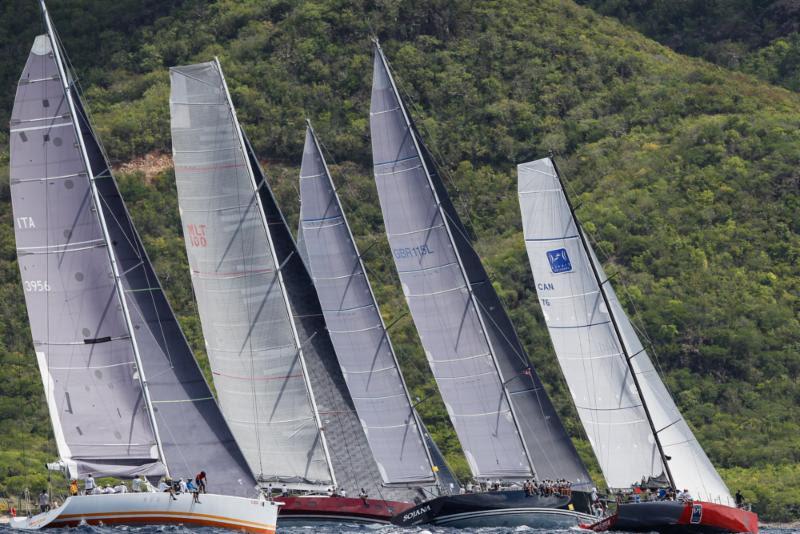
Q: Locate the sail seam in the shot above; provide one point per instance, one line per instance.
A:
(426, 229)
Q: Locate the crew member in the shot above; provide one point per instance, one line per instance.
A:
(200, 480)
(89, 485)
(44, 501)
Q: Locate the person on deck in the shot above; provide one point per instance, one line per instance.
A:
(44, 501)
(121, 488)
(687, 497)
(108, 489)
(739, 499)
(73, 487)
(191, 488)
(89, 485)
(136, 484)
(166, 487)
(200, 480)
(363, 495)
(182, 486)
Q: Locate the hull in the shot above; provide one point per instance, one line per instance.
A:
(678, 517)
(498, 509)
(235, 513)
(304, 509)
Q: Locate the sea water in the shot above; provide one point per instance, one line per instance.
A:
(331, 528)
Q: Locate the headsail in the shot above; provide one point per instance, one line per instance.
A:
(365, 353)
(592, 355)
(99, 395)
(503, 417)
(253, 348)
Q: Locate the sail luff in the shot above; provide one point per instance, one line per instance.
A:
(390, 423)
(445, 222)
(101, 216)
(279, 267)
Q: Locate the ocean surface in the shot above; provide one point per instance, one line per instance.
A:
(330, 528)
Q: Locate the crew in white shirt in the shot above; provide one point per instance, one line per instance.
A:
(89, 484)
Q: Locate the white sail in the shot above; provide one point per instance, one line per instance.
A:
(247, 325)
(592, 356)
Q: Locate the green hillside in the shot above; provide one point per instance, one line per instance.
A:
(687, 175)
(759, 37)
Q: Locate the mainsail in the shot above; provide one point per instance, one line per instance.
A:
(356, 328)
(124, 391)
(252, 344)
(504, 419)
(626, 416)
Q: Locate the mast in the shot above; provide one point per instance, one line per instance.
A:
(279, 268)
(98, 207)
(361, 264)
(462, 269)
(601, 284)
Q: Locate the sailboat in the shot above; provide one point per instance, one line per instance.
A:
(124, 392)
(275, 370)
(401, 446)
(633, 425)
(504, 420)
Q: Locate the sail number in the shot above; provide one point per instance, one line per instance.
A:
(412, 252)
(197, 235)
(36, 286)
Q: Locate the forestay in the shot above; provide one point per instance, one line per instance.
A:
(356, 328)
(79, 333)
(469, 342)
(592, 357)
(254, 354)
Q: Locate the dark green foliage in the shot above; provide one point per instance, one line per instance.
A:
(759, 37)
(687, 175)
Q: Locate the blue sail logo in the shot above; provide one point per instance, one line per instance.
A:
(559, 261)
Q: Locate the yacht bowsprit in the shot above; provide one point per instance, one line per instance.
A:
(124, 392)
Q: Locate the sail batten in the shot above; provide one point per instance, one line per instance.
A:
(458, 314)
(365, 355)
(592, 343)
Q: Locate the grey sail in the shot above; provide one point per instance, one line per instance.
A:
(82, 344)
(504, 419)
(592, 355)
(350, 455)
(363, 348)
(254, 353)
(189, 429)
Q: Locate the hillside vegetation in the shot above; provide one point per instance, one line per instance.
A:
(760, 37)
(687, 175)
